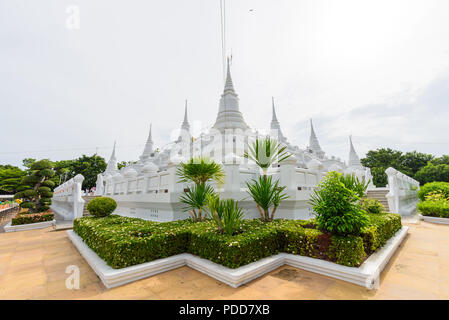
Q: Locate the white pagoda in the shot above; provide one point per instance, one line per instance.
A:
(149, 188)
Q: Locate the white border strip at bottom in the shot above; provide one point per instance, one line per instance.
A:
(367, 275)
(434, 219)
(28, 226)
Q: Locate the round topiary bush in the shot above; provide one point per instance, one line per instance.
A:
(48, 183)
(101, 206)
(440, 187)
(28, 205)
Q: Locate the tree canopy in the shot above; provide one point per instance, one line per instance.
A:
(420, 166)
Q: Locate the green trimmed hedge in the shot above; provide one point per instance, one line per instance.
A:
(441, 187)
(381, 228)
(26, 218)
(434, 208)
(123, 241)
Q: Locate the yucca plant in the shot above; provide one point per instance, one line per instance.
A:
(199, 170)
(195, 200)
(226, 213)
(353, 183)
(265, 152)
(266, 194)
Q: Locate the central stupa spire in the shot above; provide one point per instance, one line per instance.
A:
(229, 115)
(314, 145)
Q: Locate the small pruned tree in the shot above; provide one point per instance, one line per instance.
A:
(267, 194)
(37, 194)
(199, 171)
(264, 191)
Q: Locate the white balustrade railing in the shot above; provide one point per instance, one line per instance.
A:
(67, 200)
(403, 192)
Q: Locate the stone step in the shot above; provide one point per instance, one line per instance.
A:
(379, 195)
(87, 199)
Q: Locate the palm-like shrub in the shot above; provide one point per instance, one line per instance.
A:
(226, 213)
(337, 208)
(353, 183)
(266, 194)
(200, 170)
(265, 152)
(195, 199)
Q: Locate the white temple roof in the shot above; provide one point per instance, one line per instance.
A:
(229, 115)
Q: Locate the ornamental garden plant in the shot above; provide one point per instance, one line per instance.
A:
(36, 187)
(266, 193)
(434, 198)
(198, 171)
(35, 194)
(342, 232)
(24, 217)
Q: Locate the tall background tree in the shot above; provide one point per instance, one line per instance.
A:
(88, 166)
(420, 166)
(10, 179)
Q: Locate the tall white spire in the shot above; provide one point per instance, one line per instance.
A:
(185, 126)
(229, 115)
(314, 145)
(354, 160)
(112, 163)
(148, 149)
(275, 126)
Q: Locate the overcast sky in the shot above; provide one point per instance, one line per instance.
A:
(378, 70)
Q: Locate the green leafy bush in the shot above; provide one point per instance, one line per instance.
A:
(438, 208)
(225, 213)
(442, 187)
(336, 207)
(436, 196)
(372, 205)
(101, 206)
(123, 241)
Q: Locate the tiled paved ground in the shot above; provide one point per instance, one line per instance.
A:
(33, 264)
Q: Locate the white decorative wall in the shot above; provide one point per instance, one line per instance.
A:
(67, 201)
(403, 192)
